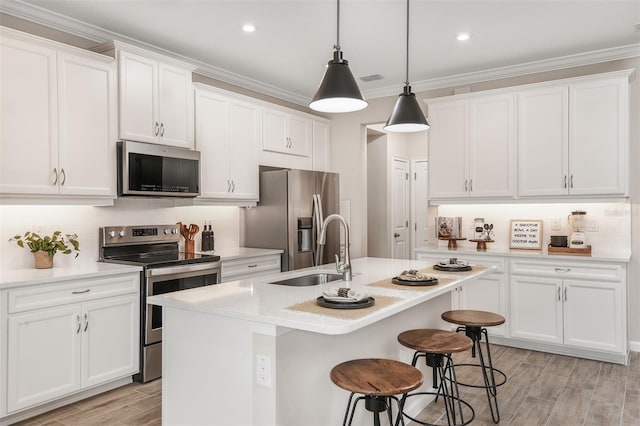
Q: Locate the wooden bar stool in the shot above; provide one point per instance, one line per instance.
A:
(474, 324)
(378, 381)
(436, 346)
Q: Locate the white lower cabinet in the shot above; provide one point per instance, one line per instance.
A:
(250, 267)
(54, 348)
(572, 304)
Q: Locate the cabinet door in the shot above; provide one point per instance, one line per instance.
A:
(491, 146)
(320, 146)
(87, 150)
(448, 154)
(28, 113)
(110, 332)
(175, 106)
(536, 309)
(43, 355)
(274, 131)
(300, 134)
(243, 140)
(594, 315)
(138, 80)
(211, 141)
(543, 141)
(487, 293)
(598, 137)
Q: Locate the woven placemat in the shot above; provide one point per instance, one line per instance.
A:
(389, 284)
(312, 307)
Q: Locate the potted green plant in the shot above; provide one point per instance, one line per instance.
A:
(44, 248)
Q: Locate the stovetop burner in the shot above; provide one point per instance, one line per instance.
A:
(148, 246)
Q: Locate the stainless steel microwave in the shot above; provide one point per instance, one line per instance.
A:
(146, 169)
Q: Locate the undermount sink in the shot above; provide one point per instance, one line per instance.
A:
(309, 280)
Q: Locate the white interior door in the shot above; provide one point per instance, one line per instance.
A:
(420, 203)
(400, 208)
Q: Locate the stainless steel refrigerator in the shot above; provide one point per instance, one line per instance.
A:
(292, 207)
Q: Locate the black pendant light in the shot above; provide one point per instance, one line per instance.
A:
(338, 91)
(407, 116)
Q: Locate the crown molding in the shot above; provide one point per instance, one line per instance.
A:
(570, 61)
(96, 34)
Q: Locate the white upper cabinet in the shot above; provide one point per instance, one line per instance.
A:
(156, 96)
(573, 138)
(227, 136)
(471, 147)
(58, 109)
(286, 133)
(599, 136)
(543, 141)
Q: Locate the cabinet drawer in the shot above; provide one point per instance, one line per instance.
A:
(593, 271)
(249, 265)
(73, 291)
(473, 260)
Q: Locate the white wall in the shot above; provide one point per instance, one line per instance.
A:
(85, 221)
(377, 218)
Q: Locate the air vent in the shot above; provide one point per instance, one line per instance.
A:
(372, 77)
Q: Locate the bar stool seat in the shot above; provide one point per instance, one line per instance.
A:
(378, 380)
(436, 346)
(474, 324)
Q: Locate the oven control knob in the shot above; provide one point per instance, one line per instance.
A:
(112, 234)
(166, 231)
(122, 233)
(174, 231)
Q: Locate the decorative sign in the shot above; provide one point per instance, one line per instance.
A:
(526, 234)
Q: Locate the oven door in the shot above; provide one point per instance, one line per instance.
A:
(170, 279)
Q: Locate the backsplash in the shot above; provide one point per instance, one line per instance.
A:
(85, 221)
(613, 221)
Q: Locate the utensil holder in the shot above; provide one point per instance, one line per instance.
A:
(189, 246)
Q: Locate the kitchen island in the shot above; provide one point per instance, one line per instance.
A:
(254, 353)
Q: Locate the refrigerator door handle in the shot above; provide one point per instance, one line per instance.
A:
(318, 219)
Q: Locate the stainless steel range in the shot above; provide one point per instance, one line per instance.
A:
(165, 270)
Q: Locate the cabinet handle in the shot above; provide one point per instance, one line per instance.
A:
(78, 321)
(465, 186)
(471, 185)
(571, 182)
(64, 177)
(559, 294)
(233, 185)
(81, 292)
(565, 294)
(161, 129)
(255, 265)
(562, 270)
(565, 181)
(55, 172)
(228, 185)
(157, 128)
(86, 322)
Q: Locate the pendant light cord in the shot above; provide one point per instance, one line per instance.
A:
(337, 45)
(407, 73)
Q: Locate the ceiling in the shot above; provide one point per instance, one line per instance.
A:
(286, 55)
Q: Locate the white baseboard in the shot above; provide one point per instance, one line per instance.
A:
(634, 346)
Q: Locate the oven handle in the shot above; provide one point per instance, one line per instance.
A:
(183, 269)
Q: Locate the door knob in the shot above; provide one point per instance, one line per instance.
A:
(396, 235)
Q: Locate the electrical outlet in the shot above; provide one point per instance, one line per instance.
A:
(263, 370)
(592, 225)
(556, 224)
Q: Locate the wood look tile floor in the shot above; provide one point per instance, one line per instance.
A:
(542, 389)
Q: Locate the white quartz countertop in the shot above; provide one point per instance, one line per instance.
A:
(597, 255)
(258, 301)
(241, 252)
(10, 278)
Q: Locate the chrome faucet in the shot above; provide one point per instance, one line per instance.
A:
(344, 268)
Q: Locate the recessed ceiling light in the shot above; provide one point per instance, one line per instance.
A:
(249, 28)
(463, 36)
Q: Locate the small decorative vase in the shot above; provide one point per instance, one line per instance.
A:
(43, 260)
